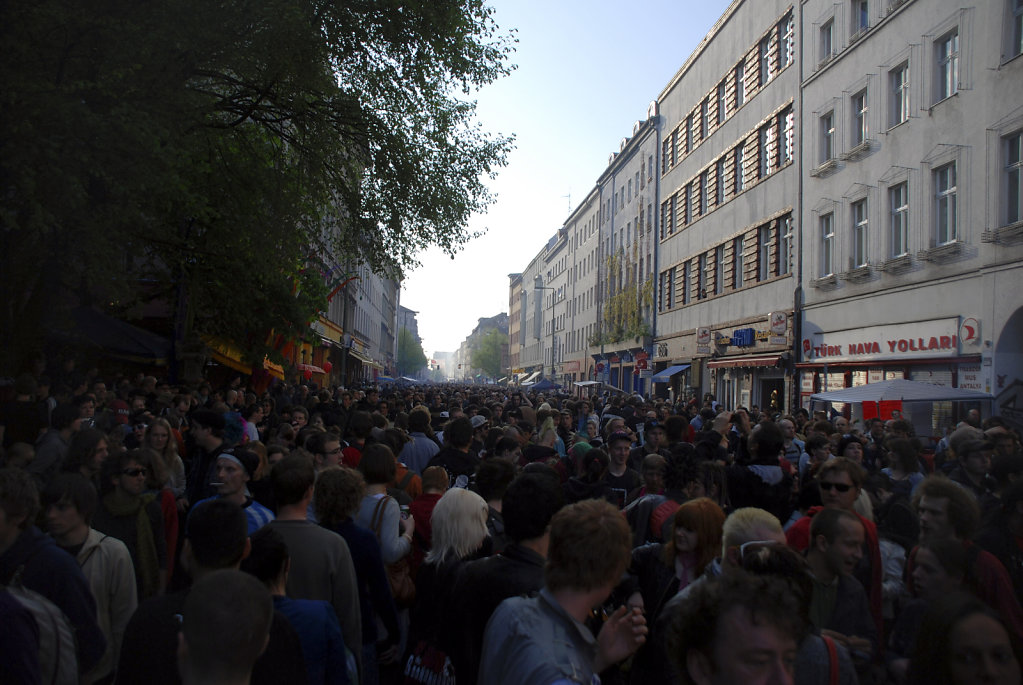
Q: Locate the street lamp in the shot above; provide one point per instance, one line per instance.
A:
(538, 285)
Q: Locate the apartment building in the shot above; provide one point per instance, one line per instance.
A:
(729, 190)
(913, 234)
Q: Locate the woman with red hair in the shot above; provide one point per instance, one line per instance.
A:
(659, 571)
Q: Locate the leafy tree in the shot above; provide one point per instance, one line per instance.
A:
(222, 157)
(486, 356)
(411, 357)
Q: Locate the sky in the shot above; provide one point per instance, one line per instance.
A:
(586, 72)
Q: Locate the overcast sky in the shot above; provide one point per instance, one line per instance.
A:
(586, 73)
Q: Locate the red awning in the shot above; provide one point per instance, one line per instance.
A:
(745, 362)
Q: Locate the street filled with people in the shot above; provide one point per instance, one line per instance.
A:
(440, 534)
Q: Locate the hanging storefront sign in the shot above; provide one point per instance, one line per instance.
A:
(923, 339)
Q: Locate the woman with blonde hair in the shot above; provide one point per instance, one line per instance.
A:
(160, 438)
(459, 524)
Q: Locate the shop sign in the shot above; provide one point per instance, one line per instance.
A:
(970, 377)
(875, 375)
(969, 331)
(646, 373)
(640, 364)
(778, 323)
(626, 357)
(859, 378)
(600, 366)
(614, 359)
(806, 381)
(703, 336)
(924, 339)
(744, 337)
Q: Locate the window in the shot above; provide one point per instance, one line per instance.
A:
(650, 167)
(719, 181)
(737, 171)
(722, 105)
(1013, 180)
(687, 204)
(630, 190)
(764, 252)
(859, 233)
(767, 144)
(1016, 47)
(685, 283)
(702, 207)
(638, 182)
(827, 36)
(701, 277)
(948, 65)
(737, 266)
(860, 16)
(898, 219)
(667, 286)
(827, 127)
(784, 259)
(740, 84)
(764, 60)
(650, 216)
(898, 87)
(687, 134)
(665, 156)
(946, 217)
(787, 49)
(827, 232)
(788, 125)
(719, 269)
(704, 116)
(859, 117)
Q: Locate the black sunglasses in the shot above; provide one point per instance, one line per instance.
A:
(841, 487)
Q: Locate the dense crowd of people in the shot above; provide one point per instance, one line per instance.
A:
(442, 533)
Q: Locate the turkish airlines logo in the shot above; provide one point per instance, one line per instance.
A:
(969, 332)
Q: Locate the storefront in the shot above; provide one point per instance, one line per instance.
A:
(937, 351)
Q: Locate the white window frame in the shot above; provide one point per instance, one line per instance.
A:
(860, 107)
(719, 182)
(826, 40)
(826, 231)
(737, 171)
(740, 84)
(946, 209)
(719, 269)
(1012, 173)
(764, 251)
(787, 41)
(898, 219)
(860, 17)
(947, 53)
(899, 92)
(860, 219)
(783, 261)
(764, 61)
(738, 247)
(722, 101)
(826, 125)
(787, 148)
(1015, 31)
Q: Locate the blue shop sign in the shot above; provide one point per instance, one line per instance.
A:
(744, 337)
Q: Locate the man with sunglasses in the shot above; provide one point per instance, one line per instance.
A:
(123, 499)
(840, 481)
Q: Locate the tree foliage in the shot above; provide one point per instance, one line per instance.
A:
(411, 358)
(226, 155)
(486, 356)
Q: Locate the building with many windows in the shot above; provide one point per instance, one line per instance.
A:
(826, 194)
(729, 188)
(912, 233)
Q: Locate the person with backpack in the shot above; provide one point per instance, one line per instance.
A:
(33, 567)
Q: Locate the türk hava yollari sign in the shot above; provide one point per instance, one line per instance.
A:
(919, 340)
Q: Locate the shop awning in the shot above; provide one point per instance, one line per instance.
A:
(224, 352)
(531, 378)
(899, 389)
(385, 379)
(502, 380)
(585, 384)
(311, 368)
(359, 356)
(665, 375)
(764, 360)
(120, 339)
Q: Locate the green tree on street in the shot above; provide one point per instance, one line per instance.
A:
(222, 158)
(486, 356)
(411, 358)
